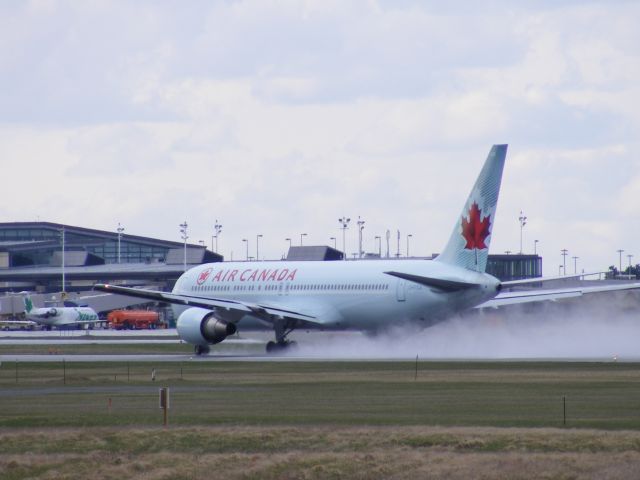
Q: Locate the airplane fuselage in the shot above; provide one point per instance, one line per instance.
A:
(355, 295)
(62, 316)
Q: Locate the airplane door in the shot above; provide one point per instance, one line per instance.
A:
(401, 293)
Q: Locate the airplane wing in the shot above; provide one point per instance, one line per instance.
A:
(538, 295)
(22, 323)
(259, 310)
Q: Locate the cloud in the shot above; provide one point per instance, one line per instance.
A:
(279, 117)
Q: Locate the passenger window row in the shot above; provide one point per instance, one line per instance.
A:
(297, 288)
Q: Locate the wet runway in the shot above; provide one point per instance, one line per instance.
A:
(613, 341)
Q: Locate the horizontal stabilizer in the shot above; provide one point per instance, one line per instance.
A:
(439, 283)
(538, 295)
(536, 280)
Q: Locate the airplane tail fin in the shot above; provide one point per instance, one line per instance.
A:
(28, 304)
(468, 245)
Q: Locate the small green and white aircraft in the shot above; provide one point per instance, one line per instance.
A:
(60, 316)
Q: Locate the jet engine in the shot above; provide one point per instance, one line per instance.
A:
(52, 312)
(200, 326)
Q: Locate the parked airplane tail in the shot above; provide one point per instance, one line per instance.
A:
(468, 245)
(28, 304)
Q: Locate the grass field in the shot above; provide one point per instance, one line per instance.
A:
(320, 420)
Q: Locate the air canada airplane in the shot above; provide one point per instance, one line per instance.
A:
(60, 316)
(216, 299)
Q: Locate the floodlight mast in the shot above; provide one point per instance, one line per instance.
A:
(620, 252)
(120, 229)
(184, 236)
(217, 228)
(258, 237)
(388, 236)
(564, 253)
(523, 221)
(344, 222)
(360, 228)
(62, 233)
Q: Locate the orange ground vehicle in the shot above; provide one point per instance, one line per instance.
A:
(133, 319)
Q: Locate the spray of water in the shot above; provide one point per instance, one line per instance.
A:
(600, 329)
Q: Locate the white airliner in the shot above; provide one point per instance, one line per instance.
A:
(60, 316)
(218, 298)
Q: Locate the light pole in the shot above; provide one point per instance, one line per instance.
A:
(398, 251)
(630, 257)
(63, 262)
(335, 246)
(184, 236)
(523, 222)
(247, 248)
(120, 229)
(388, 236)
(564, 252)
(258, 237)
(301, 237)
(559, 270)
(344, 222)
(620, 252)
(360, 228)
(535, 247)
(408, 237)
(379, 245)
(288, 240)
(575, 265)
(218, 229)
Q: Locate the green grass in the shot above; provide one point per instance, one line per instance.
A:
(319, 420)
(491, 394)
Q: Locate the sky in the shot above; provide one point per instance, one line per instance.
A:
(277, 118)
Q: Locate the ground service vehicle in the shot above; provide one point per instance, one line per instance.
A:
(133, 319)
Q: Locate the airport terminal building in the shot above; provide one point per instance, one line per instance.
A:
(31, 256)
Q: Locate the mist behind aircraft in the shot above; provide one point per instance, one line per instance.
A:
(602, 330)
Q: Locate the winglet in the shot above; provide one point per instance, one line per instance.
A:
(468, 245)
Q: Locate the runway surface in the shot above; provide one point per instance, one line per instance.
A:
(451, 341)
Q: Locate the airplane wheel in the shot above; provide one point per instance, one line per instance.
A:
(201, 349)
(280, 347)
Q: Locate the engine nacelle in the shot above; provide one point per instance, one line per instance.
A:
(200, 326)
(51, 313)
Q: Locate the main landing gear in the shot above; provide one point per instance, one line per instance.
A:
(280, 347)
(282, 329)
(201, 349)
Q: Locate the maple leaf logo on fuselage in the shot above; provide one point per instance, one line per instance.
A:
(204, 275)
(476, 230)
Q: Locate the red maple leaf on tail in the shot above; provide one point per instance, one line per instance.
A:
(475, 231)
